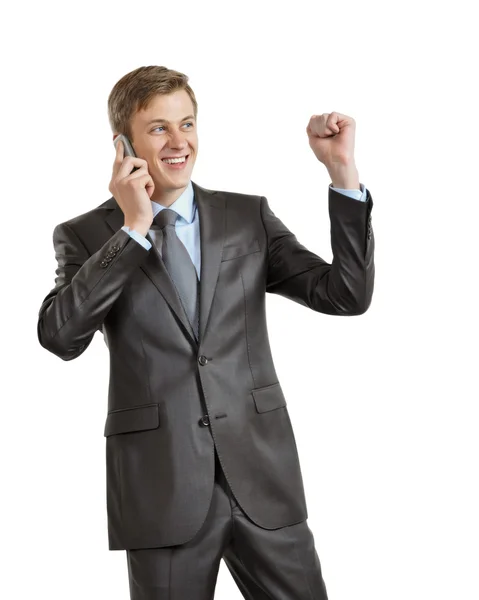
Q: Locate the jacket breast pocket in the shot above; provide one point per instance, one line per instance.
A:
(243, 249)
(135, 418)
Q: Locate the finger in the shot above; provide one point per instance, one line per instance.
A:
(341, 117)
(343, 120)
(138, 174)
(143, 180)
(150, 187)
(318, 125)
(314, 125)
(118, 157)
(125, 169)
(331, 122)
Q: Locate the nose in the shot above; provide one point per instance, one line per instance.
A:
(177, 140)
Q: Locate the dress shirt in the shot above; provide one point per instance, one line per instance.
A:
(187, 225)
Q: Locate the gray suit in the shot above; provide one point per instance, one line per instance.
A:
(171, 401)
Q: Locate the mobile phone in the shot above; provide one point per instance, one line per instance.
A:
(128, 147)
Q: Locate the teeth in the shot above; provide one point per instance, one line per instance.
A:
(172, 161)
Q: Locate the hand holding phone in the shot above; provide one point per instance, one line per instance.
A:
(132, 186)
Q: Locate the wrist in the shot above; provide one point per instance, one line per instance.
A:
(142, 228)
(345, 177)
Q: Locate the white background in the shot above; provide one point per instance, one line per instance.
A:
(384, 405)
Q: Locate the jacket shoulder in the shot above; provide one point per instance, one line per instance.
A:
(99, 212)
(240, 197)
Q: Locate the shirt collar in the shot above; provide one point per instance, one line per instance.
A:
(184, 205)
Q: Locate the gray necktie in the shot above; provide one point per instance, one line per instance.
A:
(179, 265)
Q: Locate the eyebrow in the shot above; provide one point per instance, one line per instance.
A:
(165, 121)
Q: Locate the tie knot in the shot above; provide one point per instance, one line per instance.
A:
(165, 217)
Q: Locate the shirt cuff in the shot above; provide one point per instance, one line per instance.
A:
(141, 239)
(356, 194)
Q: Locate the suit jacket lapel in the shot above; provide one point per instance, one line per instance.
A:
(212, 215)
(212, 211)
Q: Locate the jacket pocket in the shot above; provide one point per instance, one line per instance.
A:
(135, 418)
(269, 398)
(248, 247)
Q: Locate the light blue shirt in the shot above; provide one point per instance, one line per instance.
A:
(187, 225)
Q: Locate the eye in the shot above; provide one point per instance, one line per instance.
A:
(162, 127)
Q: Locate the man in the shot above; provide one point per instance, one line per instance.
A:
(202, 462)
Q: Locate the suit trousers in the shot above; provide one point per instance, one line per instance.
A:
(278, 564)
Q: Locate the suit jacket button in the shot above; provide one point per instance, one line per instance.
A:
(202, 360)
(103, 264)
(115, 248)
(204, 421)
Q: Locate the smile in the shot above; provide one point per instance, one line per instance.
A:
(176, 165)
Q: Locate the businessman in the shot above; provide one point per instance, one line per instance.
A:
(201, 458)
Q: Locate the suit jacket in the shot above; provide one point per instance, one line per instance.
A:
(171, 399)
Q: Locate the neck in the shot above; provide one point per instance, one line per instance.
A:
(166, 197)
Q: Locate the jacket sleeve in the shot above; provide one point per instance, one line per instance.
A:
(85, 289)
(344, 287)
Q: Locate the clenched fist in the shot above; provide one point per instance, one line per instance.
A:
(331, 138)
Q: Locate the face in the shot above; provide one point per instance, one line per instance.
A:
(167, 128)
